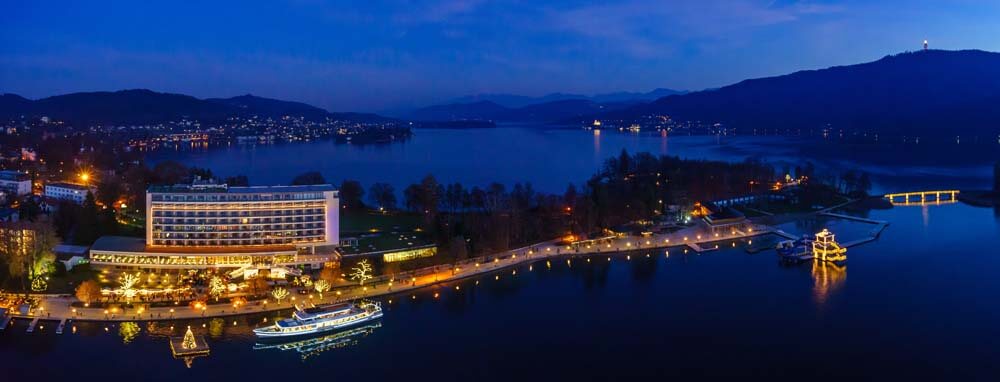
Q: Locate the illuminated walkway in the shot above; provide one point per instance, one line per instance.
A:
(57, 308)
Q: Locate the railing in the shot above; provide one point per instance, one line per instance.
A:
(925, 196)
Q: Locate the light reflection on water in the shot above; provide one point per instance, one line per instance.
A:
(552, 158)
(918, 300)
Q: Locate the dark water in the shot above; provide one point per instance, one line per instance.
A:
(919, 303)
(550, 159)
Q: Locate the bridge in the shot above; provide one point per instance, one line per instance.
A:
(924, 196)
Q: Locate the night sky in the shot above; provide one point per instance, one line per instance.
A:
(377, 55)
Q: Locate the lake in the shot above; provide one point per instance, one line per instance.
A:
(918, 303)
(550, 159)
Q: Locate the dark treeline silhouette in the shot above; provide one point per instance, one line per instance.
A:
(628, 188)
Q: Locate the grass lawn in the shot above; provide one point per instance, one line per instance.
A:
(67, 283)
(387, 241)
(366, 221)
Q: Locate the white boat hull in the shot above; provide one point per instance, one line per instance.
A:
(274, 331)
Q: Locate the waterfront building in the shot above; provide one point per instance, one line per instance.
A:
(15, 182)
(73, 192)
(722, 220)
(241, 229)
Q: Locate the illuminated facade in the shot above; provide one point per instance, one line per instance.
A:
(220, 216)
(241, 229)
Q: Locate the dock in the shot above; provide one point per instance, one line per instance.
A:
(62, 325)
(854, 218)
(31, 327)
(699, 249)
(5, 323)
(785, 235)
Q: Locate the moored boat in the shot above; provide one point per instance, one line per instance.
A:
(321, 319)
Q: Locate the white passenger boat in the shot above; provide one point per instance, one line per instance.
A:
(321, 319)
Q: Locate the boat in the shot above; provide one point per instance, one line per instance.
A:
(794, 251)
(308, 347)
(321, 319)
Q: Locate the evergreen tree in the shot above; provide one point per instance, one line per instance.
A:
(87, 222)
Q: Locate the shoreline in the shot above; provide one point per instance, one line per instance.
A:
(58, 308)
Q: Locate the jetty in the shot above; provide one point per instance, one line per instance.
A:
(699, 249)
(5, 322)
(62, 325)
(31, 327)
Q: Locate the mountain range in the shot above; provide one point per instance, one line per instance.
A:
(141, 106)
(922, 93)
(549, 108)
(538, 113)
(517, 101)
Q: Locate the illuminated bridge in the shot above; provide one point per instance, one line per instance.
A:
(923, 197)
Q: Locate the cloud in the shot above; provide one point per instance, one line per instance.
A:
(647, 28)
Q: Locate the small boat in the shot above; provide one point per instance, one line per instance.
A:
(321, 319)
(794, 251)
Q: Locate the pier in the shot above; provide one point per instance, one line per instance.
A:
(62, 325)
(937, 196)
(31, 327)
(5, 323)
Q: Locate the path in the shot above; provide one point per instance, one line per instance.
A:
(59, 308)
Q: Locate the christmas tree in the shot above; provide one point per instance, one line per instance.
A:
(189, 342)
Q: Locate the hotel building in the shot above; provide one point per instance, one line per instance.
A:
(246, 229)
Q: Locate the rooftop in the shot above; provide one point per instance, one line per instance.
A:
(15, 176)
(68, 185)
(222, 189)
(138, 245)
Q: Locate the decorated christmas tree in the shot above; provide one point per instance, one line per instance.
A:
(189, 342)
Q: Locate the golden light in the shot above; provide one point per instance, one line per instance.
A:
(84, 176)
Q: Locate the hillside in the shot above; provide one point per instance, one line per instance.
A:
(924, 93)
(140, 106)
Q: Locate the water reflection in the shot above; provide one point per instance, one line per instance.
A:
(828, 278)
(128, 331)
(316, 345)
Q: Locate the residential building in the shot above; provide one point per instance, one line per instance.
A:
(76, 193)
(15, 182)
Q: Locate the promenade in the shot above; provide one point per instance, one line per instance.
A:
(60, 308)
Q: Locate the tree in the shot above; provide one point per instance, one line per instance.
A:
(109, 191)
(279, 294)
(351, 193)
(237, 181)
(88, 291)
(87, 222)
(382, 195)
(306, 281)
(329, 274)
(864, 183)
(259, 285)
(309, 178)
(170, 172)
(189, 342)
(26, 248)
(128, 283)
(29, 209)
(362, 272)
(216, 287)
(458, 249)
(321, 286)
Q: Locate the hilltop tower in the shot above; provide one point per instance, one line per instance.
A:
(925, 44)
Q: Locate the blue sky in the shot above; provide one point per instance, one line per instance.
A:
(378, 55)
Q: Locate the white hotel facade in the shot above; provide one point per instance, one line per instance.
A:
(245, 229)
